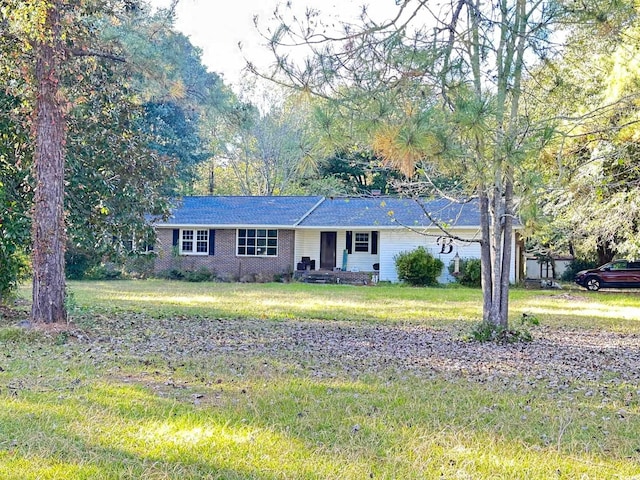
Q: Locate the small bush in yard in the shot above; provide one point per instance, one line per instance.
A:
(470, 274)
(486, 332)
(104, 271)
(418, 267)
(171, 274)
(200, 275)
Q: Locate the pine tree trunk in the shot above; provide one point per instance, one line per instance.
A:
(497, 235)
(485, 257)
(48, 215)
(507, 240)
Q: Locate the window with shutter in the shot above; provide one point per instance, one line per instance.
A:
(361, 243)
(194, 242)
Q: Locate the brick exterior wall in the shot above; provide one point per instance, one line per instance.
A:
(225, 264)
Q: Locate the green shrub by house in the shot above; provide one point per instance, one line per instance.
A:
(418, 267)
(202, 274)
(470, 274)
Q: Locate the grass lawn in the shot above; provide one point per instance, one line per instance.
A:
(164, 380)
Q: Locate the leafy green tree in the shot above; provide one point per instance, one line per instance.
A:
(185, 104)
(85, 89)
(15, 195)
(43, 38)
(588, 205)
(436, 90)
(174, 134)
(120, 100)
(150, 151)
(359, 172)
(268, 153)
(115, 176)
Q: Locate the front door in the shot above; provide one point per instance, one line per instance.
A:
(328, 250)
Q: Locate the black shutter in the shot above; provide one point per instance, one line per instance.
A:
(374, 243)
(212, 242)
(349, 245)
(176, 237)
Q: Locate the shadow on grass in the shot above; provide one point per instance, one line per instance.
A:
(184, 397)
(86, 439)
(279, 301)
(307, 428)
(388, 304)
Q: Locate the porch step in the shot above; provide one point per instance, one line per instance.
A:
(318, 278)
(351, 278)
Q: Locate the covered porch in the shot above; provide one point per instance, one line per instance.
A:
(348, 251)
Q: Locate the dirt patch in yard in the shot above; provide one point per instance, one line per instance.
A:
(10, 315)
(327, 349)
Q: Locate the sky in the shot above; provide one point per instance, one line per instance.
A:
(217, 26)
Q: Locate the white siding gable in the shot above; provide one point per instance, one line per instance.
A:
(393, 242)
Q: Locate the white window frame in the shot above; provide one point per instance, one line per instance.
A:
(199, 239)
(257, 242)
(146, 247)
(361, 242)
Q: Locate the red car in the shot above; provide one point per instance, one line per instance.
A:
(617, 274)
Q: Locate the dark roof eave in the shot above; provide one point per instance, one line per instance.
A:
(222, 226)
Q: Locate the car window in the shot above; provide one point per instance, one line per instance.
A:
(619, 265)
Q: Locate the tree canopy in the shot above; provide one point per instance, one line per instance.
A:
(119, 98)
(530, 107)
(588, 201)
(15, 194)
(435, 91)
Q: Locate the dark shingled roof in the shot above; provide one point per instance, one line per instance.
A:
(234, 210)
(390, 212)
(318, 212)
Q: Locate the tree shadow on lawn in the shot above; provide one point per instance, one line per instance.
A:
(255, 301)
(259, 399)
(301, 428)
(87, 439)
